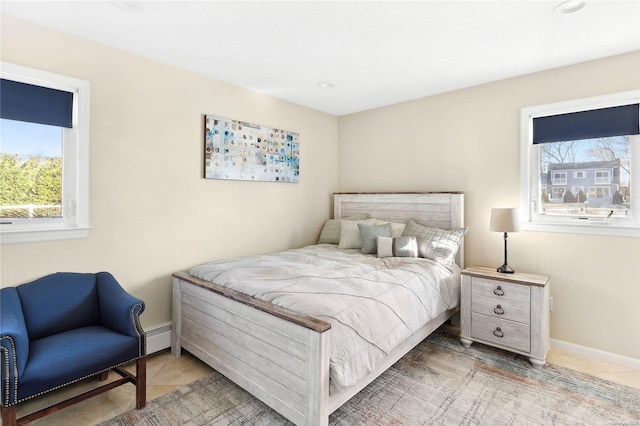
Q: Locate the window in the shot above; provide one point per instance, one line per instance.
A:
(577, 166)
(559, 178)
(558, 192)
(600, 192)
(44, 119)
(603, 177)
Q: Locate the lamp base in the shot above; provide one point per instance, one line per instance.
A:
(506, 269)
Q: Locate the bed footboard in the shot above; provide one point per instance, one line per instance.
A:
(278, 356)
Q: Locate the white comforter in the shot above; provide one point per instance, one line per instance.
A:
(373, 304)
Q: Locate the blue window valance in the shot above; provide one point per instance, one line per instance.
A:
(597, 123)
(35, 104)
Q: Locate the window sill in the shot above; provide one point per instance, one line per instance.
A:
(39, 235)
(587, 228)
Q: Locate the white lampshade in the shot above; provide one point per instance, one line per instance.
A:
(505, 220)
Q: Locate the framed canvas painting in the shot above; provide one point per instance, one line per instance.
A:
(245, 151)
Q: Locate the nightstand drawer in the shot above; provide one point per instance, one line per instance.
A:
(514, 310)
(501, 332)
(500, 290)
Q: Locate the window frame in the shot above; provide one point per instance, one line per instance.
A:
(530, 172)
(559, 178)
(605, 179)
(75, 164)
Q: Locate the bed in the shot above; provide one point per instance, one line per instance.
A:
(283, 357)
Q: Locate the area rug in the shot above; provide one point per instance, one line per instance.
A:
(438, 383)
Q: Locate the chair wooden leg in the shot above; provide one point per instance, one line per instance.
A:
(141, 382)
(104, 376)
(9, 415)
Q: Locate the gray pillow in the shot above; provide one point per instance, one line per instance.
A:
(398, 247)
(369, 236)
(397, 228)
(350, 234)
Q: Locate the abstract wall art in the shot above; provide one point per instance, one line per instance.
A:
(245, 151)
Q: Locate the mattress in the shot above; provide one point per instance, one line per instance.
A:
(373, 304)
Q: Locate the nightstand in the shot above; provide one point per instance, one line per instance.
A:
(508, 311)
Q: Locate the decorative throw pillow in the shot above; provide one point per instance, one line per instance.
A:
(330, 233)
(397, 228)
(398, 247)
(437, 244)
(369, 236)
(350, 234)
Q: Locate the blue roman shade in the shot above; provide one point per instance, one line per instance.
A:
(35, 104)
(597, 123)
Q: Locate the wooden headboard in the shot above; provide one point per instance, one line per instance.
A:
(443, 210)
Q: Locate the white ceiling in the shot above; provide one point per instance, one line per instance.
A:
(374, 53)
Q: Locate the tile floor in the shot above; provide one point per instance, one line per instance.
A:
(166, 373)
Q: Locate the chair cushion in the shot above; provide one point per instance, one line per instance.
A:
(65, 357)
(58, 303)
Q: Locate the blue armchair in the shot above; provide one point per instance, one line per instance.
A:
(63, 328)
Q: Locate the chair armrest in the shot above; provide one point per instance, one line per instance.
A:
(119, 310)
(14, 343)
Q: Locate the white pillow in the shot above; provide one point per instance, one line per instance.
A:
(330, 233)
(350, 234)
(436, 244)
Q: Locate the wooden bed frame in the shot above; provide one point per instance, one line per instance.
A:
(280, 356)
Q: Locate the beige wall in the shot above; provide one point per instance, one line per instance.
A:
(469, 141)
(154, 214)
(151, 210)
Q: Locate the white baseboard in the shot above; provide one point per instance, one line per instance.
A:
(158, 337)
(596, 354)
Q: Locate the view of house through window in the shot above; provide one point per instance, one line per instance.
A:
(30, 171)
(589, 177)
(577, 166)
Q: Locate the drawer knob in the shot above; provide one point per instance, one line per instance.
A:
(498, 291)
(498, 333)
(498, 310)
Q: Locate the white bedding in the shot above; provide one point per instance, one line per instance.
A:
(373, 304)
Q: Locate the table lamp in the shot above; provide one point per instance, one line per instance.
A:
(505, 220)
